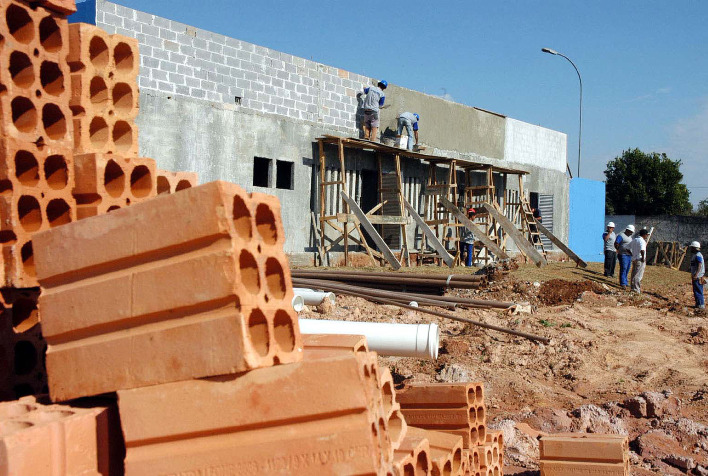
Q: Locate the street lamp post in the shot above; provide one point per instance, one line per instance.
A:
(580, 133)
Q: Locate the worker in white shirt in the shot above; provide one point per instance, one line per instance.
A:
(638, 247)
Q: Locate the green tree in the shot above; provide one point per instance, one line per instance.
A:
(645, 184)
(702, 209)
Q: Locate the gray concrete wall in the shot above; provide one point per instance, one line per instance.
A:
(211, 104)
(682, 229)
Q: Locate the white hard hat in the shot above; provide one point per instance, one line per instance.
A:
(630, 228)
(611, 224)
(695, 244)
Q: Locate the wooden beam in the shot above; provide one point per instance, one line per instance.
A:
(561, 245)
(476, 231)
(375, 219)
(383, 247)
(524, 245)
(319, 244)
(434, 242)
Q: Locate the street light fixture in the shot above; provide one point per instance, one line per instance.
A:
(580, 133)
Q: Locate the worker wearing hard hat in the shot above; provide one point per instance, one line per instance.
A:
(698, 271)
(608, 242)
(373, 100)
(624, 253)
(409, 120)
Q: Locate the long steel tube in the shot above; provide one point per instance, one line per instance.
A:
(396, 280)
(366, 274)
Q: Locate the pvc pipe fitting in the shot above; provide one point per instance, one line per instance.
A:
(314, 298)
(298, 303)
(401, 340)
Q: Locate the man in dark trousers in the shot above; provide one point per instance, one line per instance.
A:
(467, 239)
(608, 240)
(698, 271)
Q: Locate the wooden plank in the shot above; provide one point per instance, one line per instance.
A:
(524, 245)
(476, 231)
(434, 242)
(383, 247)
(318, 243)
(375, 219)
(562, 246)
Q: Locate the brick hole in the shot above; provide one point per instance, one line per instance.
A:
(26, 168)
(24, 114)
(475, 459)
(123, 98)
(7, 237)
(447, 469)
(474, 435)
(19, 24)
(387, 395)
(395, 426)
(98, 91)
(11, 426)
(481, 416)
(52, 78)
(98, 132)
(112, 208)
(163, 185)
(421, 463)
(472, 416)
(53, 415)
(122, 136)
(88, 199)
(56, 172)
(24, 315)
(22, 390)
(58, 212)
(409, 470)
(482, 430)
(25, 357)
(479, 394)
(495, 454)
(258, 332)
(183, 184)
(456, 461)
(249, 272)
(141, 181)
(54, 121)
(496, 471)
(265, 224)
(30, 213)
(384, 437)
(98, 52)
(50, 34)
(275, 278)
(27, 255)
(15, 410)
(114, 179)
(471, 396)
(283, 331)
(242, 218)
(5, 188)
(124, 58)
(21, 69)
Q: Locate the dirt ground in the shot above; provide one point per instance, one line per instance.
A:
(617, 362)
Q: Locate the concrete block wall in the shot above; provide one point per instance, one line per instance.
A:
(185, 61)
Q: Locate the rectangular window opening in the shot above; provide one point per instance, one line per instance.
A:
(284, 175)
(262, 171)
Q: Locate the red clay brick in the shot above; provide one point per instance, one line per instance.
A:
(413, 457)
(440, 395)
(54, 439)
(175, 278)
(330, 344)
(445, 450)
(585, 447)
(307, 418)
(171, 182)
(563, 468)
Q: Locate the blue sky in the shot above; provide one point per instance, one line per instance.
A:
(644, 64)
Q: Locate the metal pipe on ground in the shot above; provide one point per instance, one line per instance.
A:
(366, 274)
(450, 316)
(400, 340)
(469, 301)
(437, 283)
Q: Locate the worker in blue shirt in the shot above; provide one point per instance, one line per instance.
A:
(373, 100)
(409, 120)
(698, 271)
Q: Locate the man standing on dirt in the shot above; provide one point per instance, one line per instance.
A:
(624, 254)
(698, 271)
(639, 259)
(467, 239)
(608, 239)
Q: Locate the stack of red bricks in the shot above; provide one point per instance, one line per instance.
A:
(68, 150)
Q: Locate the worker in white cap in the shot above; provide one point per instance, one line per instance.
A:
(698, 271)
(624, 254)
(608, 241)
(639, 259)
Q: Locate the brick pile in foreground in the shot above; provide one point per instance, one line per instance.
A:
(166, 323)
(68, 151)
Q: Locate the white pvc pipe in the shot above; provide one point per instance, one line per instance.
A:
(402, 340)
(314, 298)
(298, 303)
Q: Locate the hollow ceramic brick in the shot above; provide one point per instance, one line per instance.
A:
(89, 49)
(328, 344)
(323, 429)
(445, 450)
(437, 418)
(581, 468)
(269, 225)
(125, 58)
(440, 395)
(63, 7)
(171, 182)
(413, 457)
(585, 447)
(55, 439)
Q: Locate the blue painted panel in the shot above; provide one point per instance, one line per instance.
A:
(85, 12)
(587, 218)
